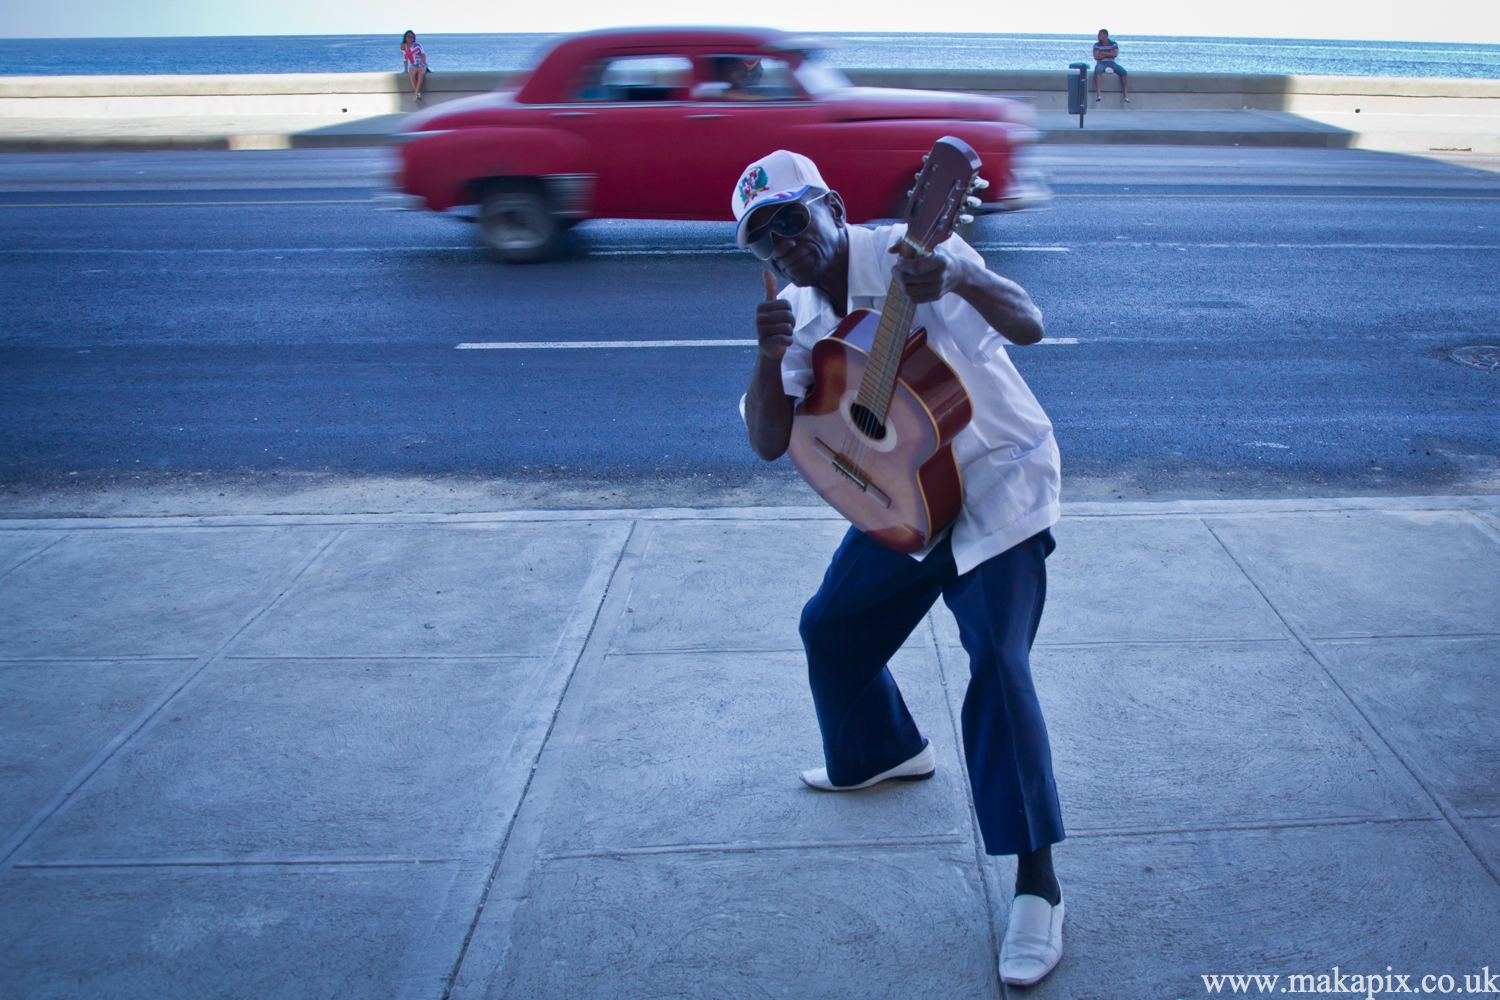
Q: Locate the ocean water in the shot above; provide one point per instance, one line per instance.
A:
(379, 53)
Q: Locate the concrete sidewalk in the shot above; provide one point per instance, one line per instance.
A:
(555, 754)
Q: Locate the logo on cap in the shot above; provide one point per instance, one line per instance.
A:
(753, 183)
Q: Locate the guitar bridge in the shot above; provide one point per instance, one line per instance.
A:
(846, 468)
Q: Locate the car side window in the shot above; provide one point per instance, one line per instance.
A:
(635, 78)
(746, 78)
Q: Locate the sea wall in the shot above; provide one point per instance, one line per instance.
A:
(357, 95)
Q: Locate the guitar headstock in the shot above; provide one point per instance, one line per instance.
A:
(941, 197)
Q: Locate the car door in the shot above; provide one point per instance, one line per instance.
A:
(629, 108)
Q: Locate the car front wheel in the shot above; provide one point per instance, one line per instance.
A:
(520, 226)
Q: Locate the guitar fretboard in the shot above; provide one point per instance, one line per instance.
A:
(879, 382)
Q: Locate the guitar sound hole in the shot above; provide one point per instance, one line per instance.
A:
(867, 422)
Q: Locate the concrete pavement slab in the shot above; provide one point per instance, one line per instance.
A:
(287, 759)
(1378, 573)
(475, 589)
(241, 931)
(1218, 735)
(55, 716)
(1146, 579)
(1436, 700)
(17, 547)
(832, 923)
(1148, 916)
(734, 585)
(706, 749)
(1486, 830)
(1142, 579)
(140, 592)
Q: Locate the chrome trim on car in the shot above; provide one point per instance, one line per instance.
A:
(571, 195)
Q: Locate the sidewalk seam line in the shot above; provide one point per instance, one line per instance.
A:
(20, 561)
(1483, 523)
(1455, 822)
(452, 977)
(122, 739)
(231, 863)
(920, 840)
(980, 862)
(1291, 824)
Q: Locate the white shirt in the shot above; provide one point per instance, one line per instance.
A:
(1009, 461)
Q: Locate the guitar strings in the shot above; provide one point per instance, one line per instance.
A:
(878, 384)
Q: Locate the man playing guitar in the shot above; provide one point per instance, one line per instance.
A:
(989, 567)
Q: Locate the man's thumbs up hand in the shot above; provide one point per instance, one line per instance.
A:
(774, 321)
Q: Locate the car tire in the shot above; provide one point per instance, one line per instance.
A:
(519, 226)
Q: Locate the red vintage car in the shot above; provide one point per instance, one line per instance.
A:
(659, 123)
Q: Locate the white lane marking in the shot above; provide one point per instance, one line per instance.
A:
(1299, 246)
(1316, 197)
(664, 252)
(565, 345)
(730, 251)
(179, 204)
(232, 250)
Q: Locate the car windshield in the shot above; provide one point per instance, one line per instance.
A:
(818, 77)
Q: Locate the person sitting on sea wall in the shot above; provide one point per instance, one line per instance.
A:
(415, 61)
(1105, 53)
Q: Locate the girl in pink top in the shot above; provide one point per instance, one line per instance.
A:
(415, 62)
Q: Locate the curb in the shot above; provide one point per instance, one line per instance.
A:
(1194, 137)
(1479, 503)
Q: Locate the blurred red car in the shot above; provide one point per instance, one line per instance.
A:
(658, 124)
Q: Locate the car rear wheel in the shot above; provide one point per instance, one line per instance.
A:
(520, 226)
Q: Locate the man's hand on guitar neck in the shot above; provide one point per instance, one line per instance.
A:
(768, 409)
(1004, 304)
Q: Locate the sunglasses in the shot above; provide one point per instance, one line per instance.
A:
(789, 221)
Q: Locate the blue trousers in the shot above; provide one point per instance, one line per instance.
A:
(870, 601)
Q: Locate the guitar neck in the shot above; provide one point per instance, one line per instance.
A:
(879, 382)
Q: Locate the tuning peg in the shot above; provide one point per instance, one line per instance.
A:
(965, 219)
(972, 202)
(980, 184)
(908, 194)
(926, 157)
(917, 176)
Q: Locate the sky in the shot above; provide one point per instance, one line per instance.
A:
(1384, 20)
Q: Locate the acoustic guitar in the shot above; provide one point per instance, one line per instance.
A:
(874, 436)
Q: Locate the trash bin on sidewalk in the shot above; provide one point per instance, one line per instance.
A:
(1078, 91)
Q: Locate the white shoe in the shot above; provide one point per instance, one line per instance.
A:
(1033, 941)
(917, 768)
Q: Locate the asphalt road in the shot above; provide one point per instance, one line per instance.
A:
(1248, 323)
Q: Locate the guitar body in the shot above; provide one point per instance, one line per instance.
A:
(911, 484)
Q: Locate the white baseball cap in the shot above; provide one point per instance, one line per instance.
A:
(780, 177)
